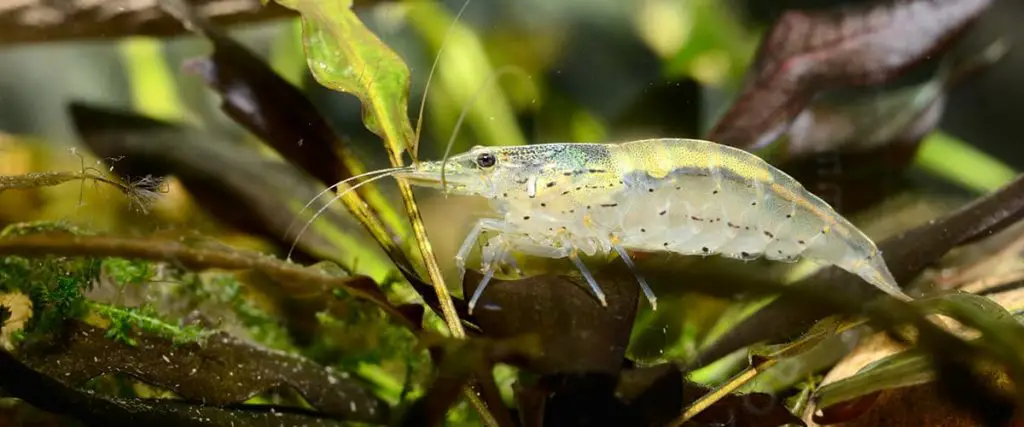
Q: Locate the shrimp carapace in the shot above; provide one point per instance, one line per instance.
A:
(685, 196)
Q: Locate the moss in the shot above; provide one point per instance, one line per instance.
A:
(127, 272)
(35, 227)
(125, 321)
(55, 285)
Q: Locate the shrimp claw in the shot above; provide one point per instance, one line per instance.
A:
(643, 283)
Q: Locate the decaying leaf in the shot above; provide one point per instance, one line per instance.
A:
(220, 370)
(41, 21)
(577, 333)
(806, 52)
(49, 394)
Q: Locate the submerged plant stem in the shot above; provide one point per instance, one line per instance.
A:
(721, 392)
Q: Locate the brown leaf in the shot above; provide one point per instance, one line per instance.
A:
(806, 52)
(30, 21)
(921, 405)
(235, 184)
(256, 97)
(221, 370)
(578, 335)
(53, 395)
(458, 362)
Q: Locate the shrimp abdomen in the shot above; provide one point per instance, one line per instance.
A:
(735, 204)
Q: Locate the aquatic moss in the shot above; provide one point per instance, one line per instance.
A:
(125, 321)
(127, 272)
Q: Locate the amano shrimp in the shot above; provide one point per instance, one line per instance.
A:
(685, 196)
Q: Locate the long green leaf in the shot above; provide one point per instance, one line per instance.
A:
(898, 370)
(347, 57)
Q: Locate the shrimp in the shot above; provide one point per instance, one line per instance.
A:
(684, 196)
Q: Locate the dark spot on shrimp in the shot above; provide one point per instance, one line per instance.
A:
(588, 207)
(504, 194)
(543, 205)
(714, 191)
(731, 225)
(650, 190)
(665, 244)
(753, 203)
(597, 171)
(567, 173)
(572, 210)
(565, 192)
(801, 242)
(662, 213)
(769, 234)
(643, 230)
(789, 215)
(696, 219)
(780, 251)
(526, 218)
(550, 184)
(609, 205)
(745, 254)
(679, 188)
(579, 188)
(705, 249)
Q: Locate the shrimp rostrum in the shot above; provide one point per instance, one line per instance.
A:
(684, 196)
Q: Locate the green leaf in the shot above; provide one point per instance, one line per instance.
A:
(1001, 331)
(898, 370)
(347, 57)
(957, 161)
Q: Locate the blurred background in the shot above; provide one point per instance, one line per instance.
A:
(525, 71)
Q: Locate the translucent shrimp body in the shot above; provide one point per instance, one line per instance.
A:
(685, 196)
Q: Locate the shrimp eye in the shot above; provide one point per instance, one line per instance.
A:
(486, 160)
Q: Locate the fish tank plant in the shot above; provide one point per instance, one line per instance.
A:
(511, 213)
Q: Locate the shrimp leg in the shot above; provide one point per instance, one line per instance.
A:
(589, 277)
(497, 250)
(487, 224)
(566, 249)
(643, 283)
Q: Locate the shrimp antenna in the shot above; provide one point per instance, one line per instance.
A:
(319, 212)
(465, 110)
(430, 75)
(386, 172)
